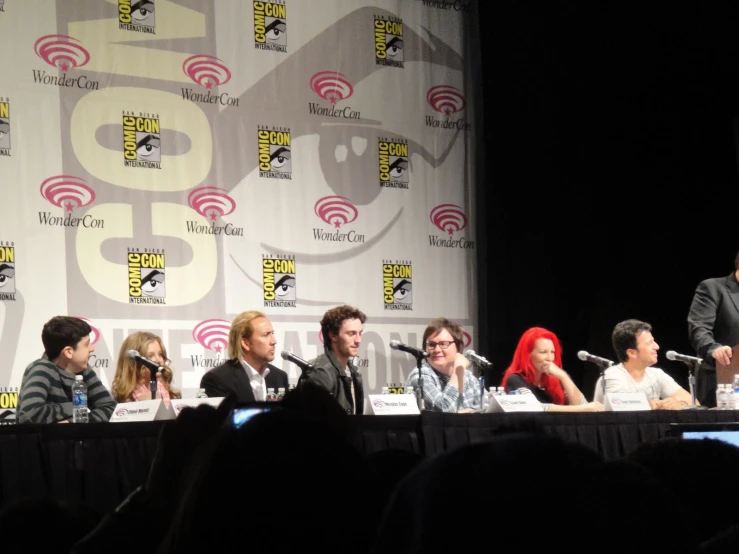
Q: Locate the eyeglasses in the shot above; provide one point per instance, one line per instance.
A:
(443, 345)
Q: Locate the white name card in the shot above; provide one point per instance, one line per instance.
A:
(626, 402)
(146, 410)
(394, 404)
(183, 403)
(510, 403)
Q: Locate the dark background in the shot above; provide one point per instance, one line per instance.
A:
(609, 188)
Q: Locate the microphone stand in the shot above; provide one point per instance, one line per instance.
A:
(419, 365)
(153, 384)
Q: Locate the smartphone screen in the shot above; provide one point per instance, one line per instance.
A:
(244, 412)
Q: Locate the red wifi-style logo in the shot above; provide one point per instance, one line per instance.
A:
(466, 339)
(68, 191)
(121, 412)
(211, 202)
(61, 51)
(206, 70)
(94, 333)
(331, 85)
(335, 210)
(449, 218)
(378, 404)
(212, 334)
(445, 99)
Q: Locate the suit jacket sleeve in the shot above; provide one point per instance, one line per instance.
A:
(701, 319)
(213, 385)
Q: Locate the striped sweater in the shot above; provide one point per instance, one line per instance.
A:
(46, 394)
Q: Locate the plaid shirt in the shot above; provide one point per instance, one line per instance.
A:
(438, 397)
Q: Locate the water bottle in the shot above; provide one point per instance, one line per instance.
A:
(736, 392)
(385, 390)
(729, 397)
(501, 391)
(271, 395)
(721, 397)
(79, 400)
(408, 390)
(201, 394)
(280, 393)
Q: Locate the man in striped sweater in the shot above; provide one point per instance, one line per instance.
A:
(46, 389)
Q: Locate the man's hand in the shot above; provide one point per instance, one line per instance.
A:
(722, 355)
(668, 403)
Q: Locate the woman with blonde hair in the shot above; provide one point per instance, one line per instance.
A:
(131, 381)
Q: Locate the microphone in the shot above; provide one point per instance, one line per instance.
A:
(146, 362)
(675, 357)
(602, 362)
(397, 345)
(300, 362)
(476, 358)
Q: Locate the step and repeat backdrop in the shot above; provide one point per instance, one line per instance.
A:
(165, 165)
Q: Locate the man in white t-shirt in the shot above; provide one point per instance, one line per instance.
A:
(636, 349)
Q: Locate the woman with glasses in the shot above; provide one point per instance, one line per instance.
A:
(448, 386)
(537, 368)
(131, 381)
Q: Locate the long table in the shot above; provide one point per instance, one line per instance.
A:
(100, 463)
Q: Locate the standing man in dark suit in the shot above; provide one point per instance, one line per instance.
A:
(713, 324)
(247, 373)
(333, 370)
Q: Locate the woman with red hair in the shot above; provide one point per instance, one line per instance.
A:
(537, 367)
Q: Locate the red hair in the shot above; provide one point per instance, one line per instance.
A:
(522, 363)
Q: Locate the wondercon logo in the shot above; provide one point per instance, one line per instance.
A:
(212, 334)
(466, 339)
(94, 333)
(61, 51)
(211, 202)
(68, 191)
(335, 210)
(449, 218)
(206, 70)
(379, 404)
(445, 99)
(331, 85)
(121, 412)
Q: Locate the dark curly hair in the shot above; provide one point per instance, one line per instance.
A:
(332, 320)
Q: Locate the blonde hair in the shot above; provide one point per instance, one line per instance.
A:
(241, 328)
(128, 373)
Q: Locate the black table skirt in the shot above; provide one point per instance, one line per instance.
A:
(99, 464)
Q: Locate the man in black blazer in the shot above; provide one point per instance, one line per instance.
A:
(247, 373)
(713, 324)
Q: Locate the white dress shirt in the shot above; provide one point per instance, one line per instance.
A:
(258, 383)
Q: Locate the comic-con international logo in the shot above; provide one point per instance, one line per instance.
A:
(64, 53)
(208, 72)
(136, 15)
(450, 219)
(7, 271)
(454, 5)
(448, 101)
(8, 404)
(146, 276)
(388, 41)
(141, 140)
(211, 334)
(393, 160)
(336, 211)
(334, 88)
(397, 285)
(212, 203)
(69, 193)
(275, 155)
(4, 126)
(270, 26)
(278, 281)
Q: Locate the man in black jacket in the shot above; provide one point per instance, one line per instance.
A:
(342, 329)
(248, 373)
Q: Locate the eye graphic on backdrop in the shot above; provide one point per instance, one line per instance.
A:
(285, 286)
(394, 46)
(142, 12)
(148, 146)
(153, 284)
(398, 169)
(280, 157)
(7, 272)
(275, 30)
(402, 291)
(4, 128)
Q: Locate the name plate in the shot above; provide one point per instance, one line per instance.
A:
(183, 403)
(511, 403)
(626, 402)
(146, 410)
(394, 404)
